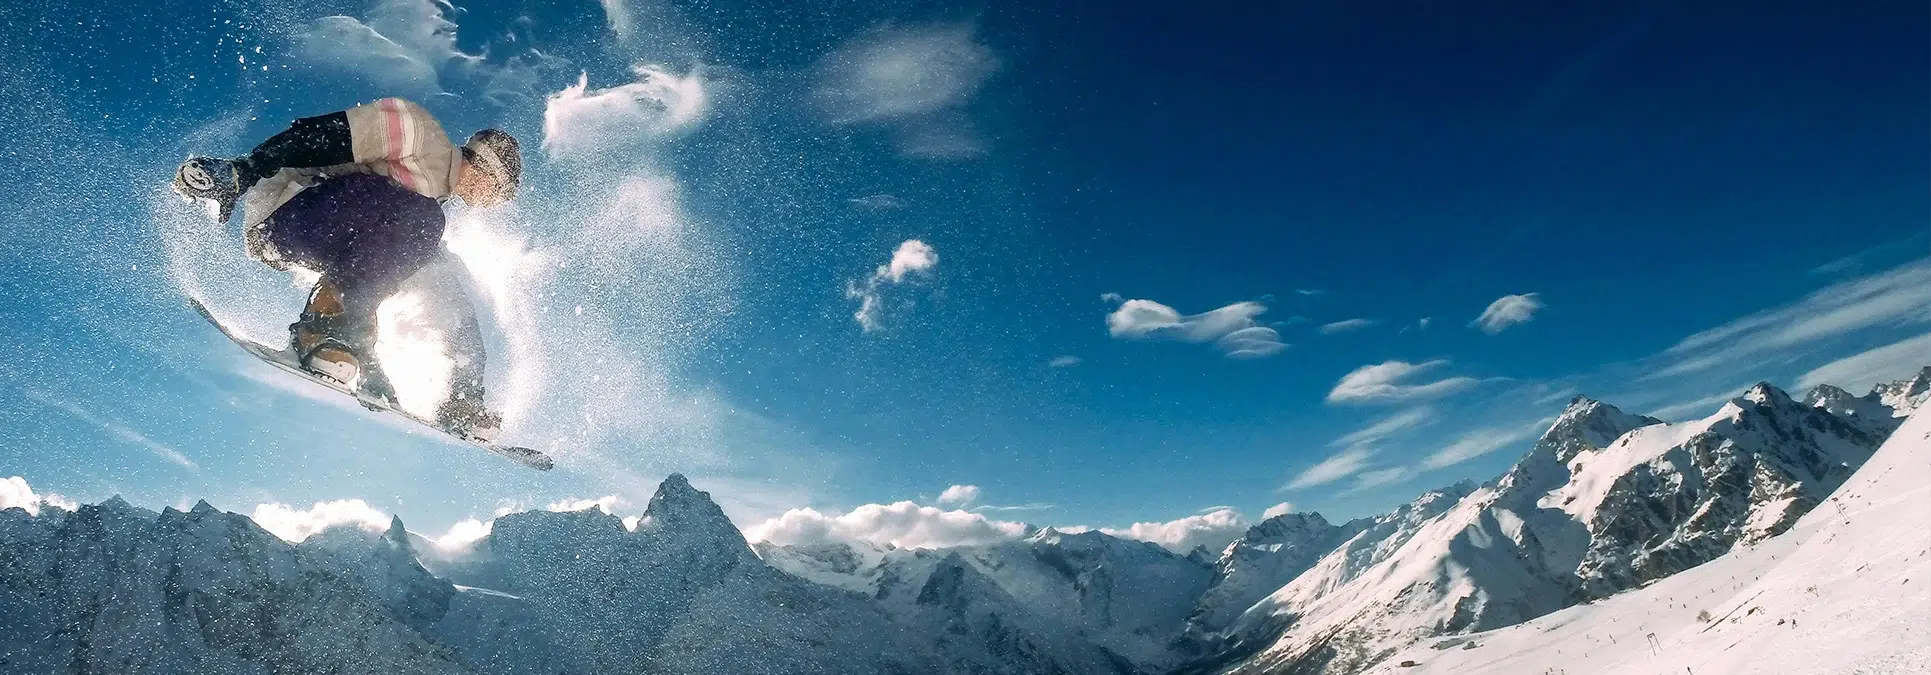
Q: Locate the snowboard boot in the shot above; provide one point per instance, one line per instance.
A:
(463, 414)
(331, 344)
(217, 180)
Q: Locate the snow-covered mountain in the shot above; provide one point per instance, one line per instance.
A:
(111, 588)
(1718, 513)
(1841, 592)
(1269, 555)
(1604, 502)
(1128, 597)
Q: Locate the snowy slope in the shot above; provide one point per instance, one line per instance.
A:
(1605, 501)
(1844, 591)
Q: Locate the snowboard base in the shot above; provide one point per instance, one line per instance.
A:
(286, 361)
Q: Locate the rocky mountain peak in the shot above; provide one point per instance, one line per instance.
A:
(1904, 396)
(1765, 393)
(1287, 527)
(1587, 425)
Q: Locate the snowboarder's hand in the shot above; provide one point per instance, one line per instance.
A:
(217, 180)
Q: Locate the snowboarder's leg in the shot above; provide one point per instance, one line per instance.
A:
(367, 236)
(334, 342)
(447, 307)
(463, 411)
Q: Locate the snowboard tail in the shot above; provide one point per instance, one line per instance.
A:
(286, 361)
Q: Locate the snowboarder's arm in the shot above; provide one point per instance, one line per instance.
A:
(392, 130)
(323, 140)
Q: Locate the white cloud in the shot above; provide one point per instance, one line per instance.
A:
(1859, 372)
(1898, 297)
(1214, 529)
(346, 46)
(1507, 311)
(1423, 323)
(1483, 441)
(1280, 509)
(959, 495)
(902, 524)
(59, 501)
(294, 526)
(463, 534)
(607, 504)
(1341, 465)
(1112, 298)
(911, 257)
(1346, 326)
(579, 121)
(15, 493)
(1035, 506)
(1067, 361)
(914, 80)
(408, 48)
(1384, 383)
(1232, 329)
(617, 14)
(1387, 426)
(1251, 343)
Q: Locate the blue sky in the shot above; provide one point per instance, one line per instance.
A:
(829, 256)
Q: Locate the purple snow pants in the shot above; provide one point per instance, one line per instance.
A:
(365, 233)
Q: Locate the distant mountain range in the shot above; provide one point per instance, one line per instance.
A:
(1604, 505)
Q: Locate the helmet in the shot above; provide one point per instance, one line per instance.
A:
(495, 152)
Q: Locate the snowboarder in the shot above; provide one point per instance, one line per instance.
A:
(356, 196)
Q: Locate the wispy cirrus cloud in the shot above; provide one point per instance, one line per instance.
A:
(1066, 361)
(1394, 382)
(912, 257)
(1347, 326)
(117, 430)
(912, 80)
(1894, 298)
(1860, 371)
(1338, 466)
(1483, 441)
(1233, 329)
(1386, 427)
(1506, 311)
(877, 202)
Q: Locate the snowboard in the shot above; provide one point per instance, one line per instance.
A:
(286, 361)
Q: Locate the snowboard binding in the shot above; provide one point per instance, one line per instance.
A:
(330, 343)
